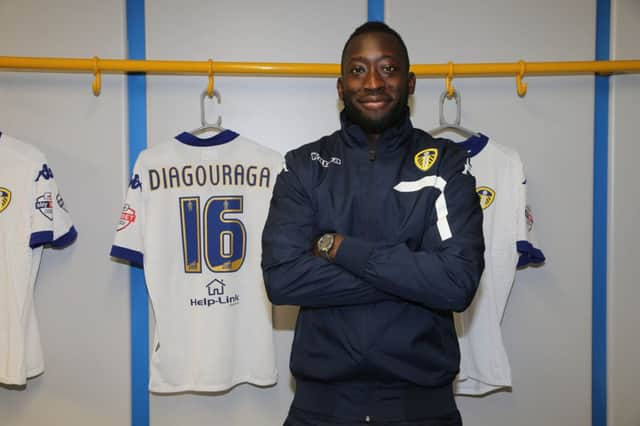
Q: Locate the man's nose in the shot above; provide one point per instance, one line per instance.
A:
(374, 80)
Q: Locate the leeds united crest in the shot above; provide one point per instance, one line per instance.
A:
(486, 195)
(5, 198)
(426, 158)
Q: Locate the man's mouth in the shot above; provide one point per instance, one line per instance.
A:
(374, 103)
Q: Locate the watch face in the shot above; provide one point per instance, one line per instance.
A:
(325, 242)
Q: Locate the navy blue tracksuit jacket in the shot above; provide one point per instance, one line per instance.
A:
(375, 335)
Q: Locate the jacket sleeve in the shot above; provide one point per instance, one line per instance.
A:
(444, 272)
(292, 274)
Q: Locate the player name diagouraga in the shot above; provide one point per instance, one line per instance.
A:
(212, 174)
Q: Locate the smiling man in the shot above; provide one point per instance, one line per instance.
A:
(376, 82)
(375, 231)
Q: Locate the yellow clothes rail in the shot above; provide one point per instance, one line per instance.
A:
(449, 70)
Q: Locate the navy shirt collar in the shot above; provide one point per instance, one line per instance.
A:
(391, 139)
(475, 144)
(217, 139)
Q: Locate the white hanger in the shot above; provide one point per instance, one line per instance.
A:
(205, 126)
(455, 126)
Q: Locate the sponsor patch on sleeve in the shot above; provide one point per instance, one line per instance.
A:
(60, 202)
(529, 216)
(44, 204)
(127, 217)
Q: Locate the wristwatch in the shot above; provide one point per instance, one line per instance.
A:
(324, 244)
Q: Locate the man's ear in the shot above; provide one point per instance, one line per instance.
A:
(340, 87)
(411, 83)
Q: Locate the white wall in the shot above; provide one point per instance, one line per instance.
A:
(624, 292)
(279, 112)
(547, 324)
(81, 296)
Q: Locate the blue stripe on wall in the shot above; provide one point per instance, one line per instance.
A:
(375, 10)
(600, 206)
(137, 102)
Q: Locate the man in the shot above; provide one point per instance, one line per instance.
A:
(375, 231)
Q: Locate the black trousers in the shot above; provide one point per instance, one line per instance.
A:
(298, 417)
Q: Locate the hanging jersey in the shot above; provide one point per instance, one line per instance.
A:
(193, 217)
(32, 214)
(507, 229)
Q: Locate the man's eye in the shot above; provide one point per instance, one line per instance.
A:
(357, 70)
(389, 68)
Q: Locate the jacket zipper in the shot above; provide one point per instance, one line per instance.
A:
(372, 153)
(370, 227)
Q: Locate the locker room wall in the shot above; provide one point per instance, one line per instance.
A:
(278, 112)
(547, 323)
(81, 296)
(624, 234)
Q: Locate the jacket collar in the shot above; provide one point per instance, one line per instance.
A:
(390, 140)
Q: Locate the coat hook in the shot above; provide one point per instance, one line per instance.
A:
(521, 87)
(97, 81)
(447, 81)
(210, 85)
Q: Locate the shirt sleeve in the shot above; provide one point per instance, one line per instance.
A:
(444, 272)
(50, 220)
(292, 274)
(129, 239)
(525, 240)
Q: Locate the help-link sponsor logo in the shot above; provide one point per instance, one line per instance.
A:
(216, 296)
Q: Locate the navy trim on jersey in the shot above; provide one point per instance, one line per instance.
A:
(66, 239)
(40, 238)
(529, 255)
(133, 256)
(475, 144)
(45, 237)
(217, 139)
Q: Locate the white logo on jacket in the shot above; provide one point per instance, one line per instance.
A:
(440, 184)
(325, 163)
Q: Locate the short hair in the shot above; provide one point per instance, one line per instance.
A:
(375, 27)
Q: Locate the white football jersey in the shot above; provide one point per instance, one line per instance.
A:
(32, 214)
(193, 217)
(507, 229)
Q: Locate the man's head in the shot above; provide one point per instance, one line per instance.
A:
(375, 82)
